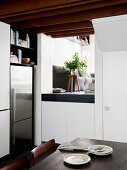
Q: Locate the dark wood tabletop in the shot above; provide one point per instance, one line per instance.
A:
(116, 161)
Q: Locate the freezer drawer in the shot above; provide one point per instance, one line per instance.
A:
(4, 132)
(21, 135)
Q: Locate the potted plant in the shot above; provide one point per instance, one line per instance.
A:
(75, 64)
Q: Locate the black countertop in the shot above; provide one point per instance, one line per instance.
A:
(59, 97)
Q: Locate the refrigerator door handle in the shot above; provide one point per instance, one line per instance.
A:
(13, 104)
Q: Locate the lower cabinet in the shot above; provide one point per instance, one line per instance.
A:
(4, 133)
(80, 120)
(65, 121)
(53, 122)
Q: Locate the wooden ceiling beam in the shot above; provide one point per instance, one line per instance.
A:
(76, 16)
(64, 10)
(71, 31)
(13, 8)
(73, 34)
(63, 27)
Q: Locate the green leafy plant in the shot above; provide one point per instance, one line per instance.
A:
(75, 64)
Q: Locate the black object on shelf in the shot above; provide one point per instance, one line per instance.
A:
(85, 38)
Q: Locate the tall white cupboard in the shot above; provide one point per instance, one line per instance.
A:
(4, 89)
(111, 81)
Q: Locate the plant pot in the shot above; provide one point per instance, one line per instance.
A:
(72, 72)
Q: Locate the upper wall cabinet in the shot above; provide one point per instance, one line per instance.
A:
(4, 66)
(111, 33)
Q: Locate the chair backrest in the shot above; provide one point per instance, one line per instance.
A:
(41, 151)
(16, 165)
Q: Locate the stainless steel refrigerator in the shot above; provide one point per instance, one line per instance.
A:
(21, 108)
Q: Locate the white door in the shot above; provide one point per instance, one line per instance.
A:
(54, 121)
(115, 96)
(4, 66)
(4, 132)
(80, 120)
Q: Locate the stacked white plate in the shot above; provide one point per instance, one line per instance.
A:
(77, 159)
(100, 150)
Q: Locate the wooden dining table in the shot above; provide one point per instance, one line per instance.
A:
(116, 161)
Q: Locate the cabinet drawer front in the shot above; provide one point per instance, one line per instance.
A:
(4, 132)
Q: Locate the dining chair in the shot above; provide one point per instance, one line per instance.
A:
(20, 164)
(42, 151)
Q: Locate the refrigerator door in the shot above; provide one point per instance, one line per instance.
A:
(4, 66)
(21, 135)
(21, 93)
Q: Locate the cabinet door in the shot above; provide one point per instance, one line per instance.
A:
(115, 96)
(80, 120)
(4, 132)
(4, 65)
(53, 121)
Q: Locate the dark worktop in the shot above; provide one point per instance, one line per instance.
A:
(59, 97)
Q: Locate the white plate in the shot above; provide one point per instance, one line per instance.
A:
(106, 150)
(76, 159)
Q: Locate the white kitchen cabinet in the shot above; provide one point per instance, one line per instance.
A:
(4, 66)
(80, 120)
(53, 121)
(65, 121)
(111, 81)
(4, 89)
(115, 96)
(4, 133)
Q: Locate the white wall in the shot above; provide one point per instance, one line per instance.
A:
(46, 64)
(37, 95)
(64, 49)
(88, 53)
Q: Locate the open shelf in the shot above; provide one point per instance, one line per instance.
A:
(17, 64)
(20, 47)
(27, 49)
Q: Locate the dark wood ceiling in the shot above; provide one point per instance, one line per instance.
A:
(59, 18)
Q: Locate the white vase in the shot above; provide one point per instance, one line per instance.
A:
(72, 72)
